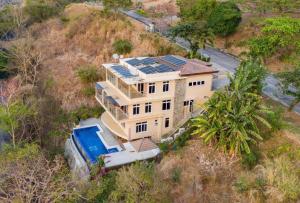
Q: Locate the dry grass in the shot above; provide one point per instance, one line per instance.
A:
(206, 175)
(85, 36)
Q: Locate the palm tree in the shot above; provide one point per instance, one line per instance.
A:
(232, 115)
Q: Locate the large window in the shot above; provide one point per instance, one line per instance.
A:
(151, 88)
(136, 109)
(148, 107)
(166, 86)
(141, 127)
(167, 122)
(141, 87)
(166, 105)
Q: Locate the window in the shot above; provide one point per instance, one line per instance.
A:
(203, 82)
(141, 87)
(136, 109)
(151, 88)
(186, 103)
(166, 86)
(194, 83)
(148, 107)
(167, 122)
(124, 109)
(190, 84)
(141, 127)
(166, 105)
(155, 122)
(198, 82)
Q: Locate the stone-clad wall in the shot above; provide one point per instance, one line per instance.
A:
(180, 88)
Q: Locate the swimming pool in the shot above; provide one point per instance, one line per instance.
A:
(90, 144)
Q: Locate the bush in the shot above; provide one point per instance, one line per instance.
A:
(250, 160)
(225, 18)
(88, 74)
(122, 46)
(88, 91)
(40, 10)
(7, 22)
(3, 64)
(242, 184)
(85, 112)
(176, 174)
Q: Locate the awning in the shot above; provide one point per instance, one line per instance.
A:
(112, 101)
(99, 87)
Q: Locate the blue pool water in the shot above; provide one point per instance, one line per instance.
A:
(90, 143)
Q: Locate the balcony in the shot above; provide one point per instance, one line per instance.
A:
(129, 90)
(110, 105)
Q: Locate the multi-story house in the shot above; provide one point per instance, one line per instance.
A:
(152, 96)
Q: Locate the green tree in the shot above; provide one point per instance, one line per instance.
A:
(277, 34)
(3, 64)
(225, 18)
(139, 183)
(197, 10)
(197, 35)
(7, 23)
(122, 46)
(13, 116)
(88, 74)
(291, 84)
(233, 115)
(116, 4)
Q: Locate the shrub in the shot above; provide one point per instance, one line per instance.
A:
(88, 74)
(176, 174)
(85, 112)
(250, 160)
(41, 10)
(7, 23)
(225, 18)
(242, 184)
(3, 64)
(142, 12)
(88, 91)
(122, 46)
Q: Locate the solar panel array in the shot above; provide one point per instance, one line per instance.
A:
(150, 68)
(147, 61)
(173, 60)
(123, 71)
(134, 62)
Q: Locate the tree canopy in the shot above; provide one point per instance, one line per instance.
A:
(277, 34)
(224, 18)
(233, 115)
(116, 4)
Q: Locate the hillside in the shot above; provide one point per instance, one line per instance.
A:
(84, 35)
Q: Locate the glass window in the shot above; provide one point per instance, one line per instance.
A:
(167, 122)
(148, 107)
(166, 105)
(190, 84)
(194, 83)
(166, 86)
(203, 82)
(136, 109)
(151, 88)
(141, 87)
(141, 127)
(198, 82)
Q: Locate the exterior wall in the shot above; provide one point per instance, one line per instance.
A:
(199, 92)
(179, 91)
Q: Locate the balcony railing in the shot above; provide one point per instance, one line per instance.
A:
(115, 111)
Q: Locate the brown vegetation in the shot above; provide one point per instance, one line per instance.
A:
(84, 35)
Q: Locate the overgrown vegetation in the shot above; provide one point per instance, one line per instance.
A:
(122, 46)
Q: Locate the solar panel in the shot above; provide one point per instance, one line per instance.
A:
(134, 62)
(148, 70)
(173, 60)
(147, 61)
(123, 71)
(164, 68)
